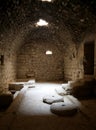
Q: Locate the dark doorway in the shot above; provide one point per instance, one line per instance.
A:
(89, 58)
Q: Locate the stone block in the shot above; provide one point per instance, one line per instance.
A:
(64, 109)
(6, 99)
(16, 86)
(52, 99)
(61, 91)
(82, 88)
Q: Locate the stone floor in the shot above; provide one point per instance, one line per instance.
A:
(28, 112)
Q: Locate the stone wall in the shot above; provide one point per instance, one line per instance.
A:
(9, 44)
(28, 60)
(73, 63)
(89, 37)
(74, 58)
(8, 67)
(34, 63)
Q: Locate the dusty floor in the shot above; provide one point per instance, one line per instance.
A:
(28, 112)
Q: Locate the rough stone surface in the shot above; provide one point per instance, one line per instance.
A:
(61, 91)
(28, 110)
(63, 109)
(71, 24)
(83, 88)
(16, 86)
(52, 99)
(34, 61)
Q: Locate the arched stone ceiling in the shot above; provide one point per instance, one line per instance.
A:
(77, 15)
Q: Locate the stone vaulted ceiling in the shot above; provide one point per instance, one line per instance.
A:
(78, 16)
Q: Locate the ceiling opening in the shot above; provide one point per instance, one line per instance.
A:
(48, 52)
(47, 0)
(41, 22)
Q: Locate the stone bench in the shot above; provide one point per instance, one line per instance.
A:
(16, 86)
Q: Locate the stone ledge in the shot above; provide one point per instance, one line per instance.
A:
(16, 86)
